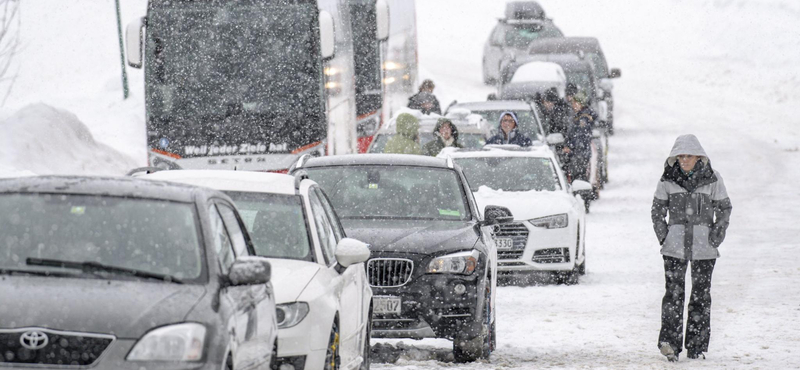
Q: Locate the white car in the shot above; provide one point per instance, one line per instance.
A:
(321, 290)
(549, 217)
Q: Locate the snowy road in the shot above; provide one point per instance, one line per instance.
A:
(681, 74)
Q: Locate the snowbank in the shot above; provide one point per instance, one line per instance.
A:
(41, 139)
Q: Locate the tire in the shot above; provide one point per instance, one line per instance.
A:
(367, 349)
(332, 360)
(273, 363)
(480, 347)
(582, 266)
(229, 362)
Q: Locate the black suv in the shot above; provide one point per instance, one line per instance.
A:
(108, 273)
(433, 268)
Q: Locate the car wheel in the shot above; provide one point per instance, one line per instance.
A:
(273, 363)
(332, 355)
(367, 349)
(229, 362)
(467, 349)
(582, 267)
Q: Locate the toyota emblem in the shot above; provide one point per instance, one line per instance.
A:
(33, 340)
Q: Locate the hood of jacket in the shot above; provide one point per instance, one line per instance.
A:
(439, 124)
(407, 125)
(500, 121)
(686, 145)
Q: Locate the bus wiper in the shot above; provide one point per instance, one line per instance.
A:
(92, 267)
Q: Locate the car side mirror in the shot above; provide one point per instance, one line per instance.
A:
(555, 138)
(615, 73)
(350, 252)
(327, 39)
(495, 215)
(580, 185)
(250, 271)
(134, 35)
(382, 20)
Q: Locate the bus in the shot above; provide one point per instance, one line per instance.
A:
(246, 84)
(385, 66)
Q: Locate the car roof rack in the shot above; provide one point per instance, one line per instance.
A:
(146, 170)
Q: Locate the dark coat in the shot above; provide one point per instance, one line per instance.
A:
(514, 137)
(433, 147)
(558, 120)
(579, 138)
(418, 100)
(697, 204)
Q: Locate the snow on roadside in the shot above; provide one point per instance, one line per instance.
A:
(43, 140)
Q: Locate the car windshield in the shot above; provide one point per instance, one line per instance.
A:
(527, 121)
(150, 236)
(510, 173)
(393, 192)
(276, 224)
(520, 36)
(469, 141)
(582, 80)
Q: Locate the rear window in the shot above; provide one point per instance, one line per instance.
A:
(520, 36)
(152, 236)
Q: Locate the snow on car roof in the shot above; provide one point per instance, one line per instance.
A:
(537, 151)
(492, 105)
(539, 72)
(244, 181)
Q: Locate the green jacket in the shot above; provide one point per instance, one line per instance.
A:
(405, 142)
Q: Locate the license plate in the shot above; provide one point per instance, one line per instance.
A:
(385, 304)
(504, 243)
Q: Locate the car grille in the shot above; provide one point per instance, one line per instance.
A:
(552, 255)
(509, 255)
(389, 272)
(51, 347)
(516, 231)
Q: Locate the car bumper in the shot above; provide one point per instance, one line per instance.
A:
(545, 250)
(295, 346)
(431, 308)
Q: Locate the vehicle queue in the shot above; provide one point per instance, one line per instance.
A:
(238, 270)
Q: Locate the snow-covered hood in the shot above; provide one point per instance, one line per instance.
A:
(291, 277)
(525, 205)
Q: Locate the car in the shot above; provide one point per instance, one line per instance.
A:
(549, 228)
(473, 130)
(532, 79)
(589, 49)
(580, 73)
(525, 22)
(121, 273)
(528, 114)
(433, 268)
(321, 289)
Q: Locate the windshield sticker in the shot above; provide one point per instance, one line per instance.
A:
(449, 212)
(78, 210)
(373, 186)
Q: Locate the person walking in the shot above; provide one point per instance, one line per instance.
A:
(424, 100)
(406, 141)
(693, 196)
(445, 134)
(508, 132)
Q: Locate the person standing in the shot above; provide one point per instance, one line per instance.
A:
(406, 141)
(508, 132)
(577, 148)
(693, 196)
(424, 100)
(445, 134)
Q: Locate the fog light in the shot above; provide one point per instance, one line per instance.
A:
(286, 367)
(460, 289)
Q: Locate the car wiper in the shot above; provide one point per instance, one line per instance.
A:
(7, 271)
(92, 267)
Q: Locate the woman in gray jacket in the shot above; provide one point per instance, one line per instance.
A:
(693, 195)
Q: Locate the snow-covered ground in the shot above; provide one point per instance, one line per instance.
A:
(725, 70)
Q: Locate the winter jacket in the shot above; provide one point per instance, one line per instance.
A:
(586, 113)
(433, 147)
(579, 137)
(417, 100)
(405, 142)
(697, 204)
(558, 120)
(514, 137)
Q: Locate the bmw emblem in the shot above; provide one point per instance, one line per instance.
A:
(163, 143)
(33, 340)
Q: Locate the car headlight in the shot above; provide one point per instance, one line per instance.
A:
(457, 263)
(290, 314)
(179, 342)
(551, 222)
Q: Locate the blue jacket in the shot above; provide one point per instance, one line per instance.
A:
(579, 137)
(514, 137)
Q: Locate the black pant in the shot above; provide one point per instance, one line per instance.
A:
(698, 326)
